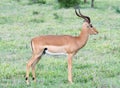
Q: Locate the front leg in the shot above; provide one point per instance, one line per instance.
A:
(70, 67)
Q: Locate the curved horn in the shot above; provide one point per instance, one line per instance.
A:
(79, 15)
(84, 17)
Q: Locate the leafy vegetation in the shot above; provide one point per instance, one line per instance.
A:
(37, 1)
(69, 3)
(95, 66)
(118, 9)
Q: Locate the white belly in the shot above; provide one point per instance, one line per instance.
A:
(56, 53)
(55, 50)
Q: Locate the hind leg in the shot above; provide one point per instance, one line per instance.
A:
(29, 64)
(33, 68)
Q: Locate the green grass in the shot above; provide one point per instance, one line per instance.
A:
(95, 66)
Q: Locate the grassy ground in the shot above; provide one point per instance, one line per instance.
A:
(97, 65)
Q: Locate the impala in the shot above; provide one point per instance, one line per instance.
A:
(56, 44)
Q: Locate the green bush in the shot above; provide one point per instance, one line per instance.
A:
(118, 9)
(37, 1)
(69, 3)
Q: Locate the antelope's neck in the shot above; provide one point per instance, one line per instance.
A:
(83, 37)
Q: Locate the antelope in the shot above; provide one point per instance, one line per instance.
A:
(56, 44)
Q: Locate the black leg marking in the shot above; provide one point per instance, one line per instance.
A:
(44, 51)
(26, 78)
(33, 78)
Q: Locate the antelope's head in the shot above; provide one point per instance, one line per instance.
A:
(87, 23)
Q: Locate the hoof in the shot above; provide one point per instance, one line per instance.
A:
(27, 82)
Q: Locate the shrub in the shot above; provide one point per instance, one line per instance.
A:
(68, 3)
(37, 1)
(118, 9)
